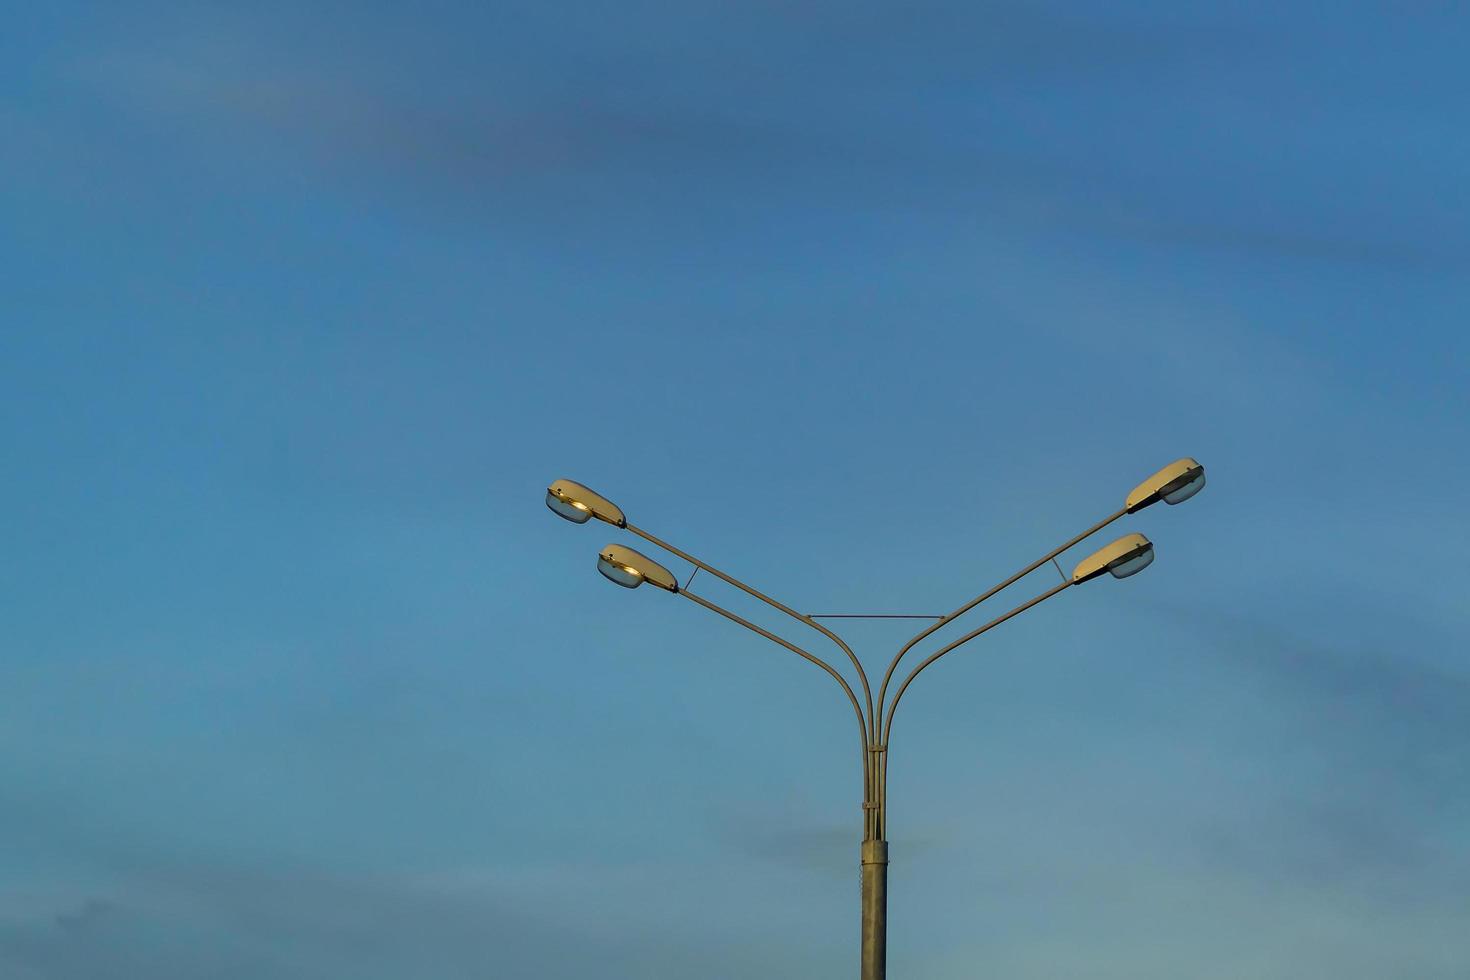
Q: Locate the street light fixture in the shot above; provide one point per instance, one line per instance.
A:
(631, 569)
(578, 504)
(1126, 556)
(1173, 484)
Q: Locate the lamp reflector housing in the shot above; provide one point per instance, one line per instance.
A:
(577, 503)
(631, 569)
(625, 575)
(1134, 565)
(574, 511)
(1126, 556)
(1173, 484)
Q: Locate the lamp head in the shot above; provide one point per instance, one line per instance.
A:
(1173, 484)
(631, 569)
(1126, 556)
(578, 504)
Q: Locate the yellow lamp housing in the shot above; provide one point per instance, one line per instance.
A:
(577, 504)
(1126, 556)
(1173, 484)
(631, 569)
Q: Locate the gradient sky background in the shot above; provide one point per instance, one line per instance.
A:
(304, 304)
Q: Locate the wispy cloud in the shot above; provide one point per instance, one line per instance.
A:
(144, 907)
(524, 129)
(1374, 764)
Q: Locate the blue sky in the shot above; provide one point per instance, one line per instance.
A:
(304, 304)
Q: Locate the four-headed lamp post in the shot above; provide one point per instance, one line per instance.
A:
(1126, 556)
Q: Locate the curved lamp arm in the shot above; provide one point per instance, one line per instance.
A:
(880, 777)
(888, 676)
(868, 774)
(870, 726)
(888, 725)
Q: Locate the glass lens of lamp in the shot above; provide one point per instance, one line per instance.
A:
(1181, 493)
(563, 508)
(1134, 565)
(627, 577)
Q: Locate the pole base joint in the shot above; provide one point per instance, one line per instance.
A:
(875, 852)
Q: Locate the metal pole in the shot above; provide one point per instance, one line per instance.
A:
(875, 910)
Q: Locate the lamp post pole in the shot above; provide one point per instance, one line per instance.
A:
(626, 567)
(875, 910)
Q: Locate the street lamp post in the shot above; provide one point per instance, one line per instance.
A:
(1126, 556)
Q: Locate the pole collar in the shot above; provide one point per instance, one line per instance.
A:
(875, 852)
